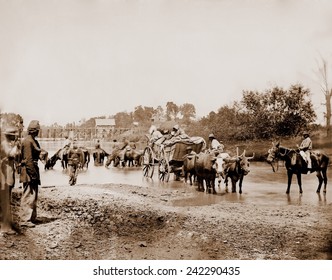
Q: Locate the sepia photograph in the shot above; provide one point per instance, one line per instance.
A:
(166, 130)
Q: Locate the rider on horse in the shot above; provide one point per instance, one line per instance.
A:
(305, 148)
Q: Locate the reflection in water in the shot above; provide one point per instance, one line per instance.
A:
(322, 201)
(260, 187)
(293, 200)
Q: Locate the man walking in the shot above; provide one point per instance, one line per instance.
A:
(75, 159)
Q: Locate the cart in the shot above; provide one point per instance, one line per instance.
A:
(169, 156)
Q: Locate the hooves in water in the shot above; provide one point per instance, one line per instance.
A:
(318, 191)
(301, 192)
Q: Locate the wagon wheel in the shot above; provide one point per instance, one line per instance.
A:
(148, 162)
(163, 166)
(163, 170)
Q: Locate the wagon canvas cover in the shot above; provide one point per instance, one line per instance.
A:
(177, 147)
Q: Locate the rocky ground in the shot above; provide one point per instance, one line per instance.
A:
(128, 222)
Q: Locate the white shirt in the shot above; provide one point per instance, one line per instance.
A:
(215, 145)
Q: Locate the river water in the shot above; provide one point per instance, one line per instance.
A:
(260, 187)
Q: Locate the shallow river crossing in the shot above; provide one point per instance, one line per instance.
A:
(261, 186)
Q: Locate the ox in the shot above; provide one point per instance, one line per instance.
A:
(205, 168)
(221, 163)
(188, 168)
(236, 168)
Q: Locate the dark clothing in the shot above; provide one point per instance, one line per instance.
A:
(30, 155)
(75, 156)
(75, 159)
(30, 151)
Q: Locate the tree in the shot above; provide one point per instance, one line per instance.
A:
(90, 123)
(229, 123)
(278, 112)
(143, 114)
(158, 114)
(328, 95)
(188, 111)
(172, 110)
(123, 119)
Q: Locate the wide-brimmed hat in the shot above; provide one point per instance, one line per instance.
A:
(211, 135)
(34, 126)
(176, 127)
(11, 130)
(305, 133)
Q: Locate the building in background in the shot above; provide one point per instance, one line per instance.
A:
(104, 127)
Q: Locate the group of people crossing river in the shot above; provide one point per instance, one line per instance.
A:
(21, 156)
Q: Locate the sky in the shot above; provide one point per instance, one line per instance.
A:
(67, 60)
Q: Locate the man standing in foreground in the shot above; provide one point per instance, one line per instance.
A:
(9, 150)
(30, 155)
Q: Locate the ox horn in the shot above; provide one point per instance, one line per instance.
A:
(243, 154)
(253, 155)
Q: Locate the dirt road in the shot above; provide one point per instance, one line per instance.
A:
(127, 222)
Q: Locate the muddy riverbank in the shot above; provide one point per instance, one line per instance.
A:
(117, 221)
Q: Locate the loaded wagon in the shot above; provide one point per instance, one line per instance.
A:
(169, 156)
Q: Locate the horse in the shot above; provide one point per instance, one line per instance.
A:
(295, 164)
(98, 156)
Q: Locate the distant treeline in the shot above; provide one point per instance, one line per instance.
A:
(275, 112)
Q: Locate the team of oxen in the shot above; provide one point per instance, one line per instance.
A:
(205, 168)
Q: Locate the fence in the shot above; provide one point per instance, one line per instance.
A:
(88, 134)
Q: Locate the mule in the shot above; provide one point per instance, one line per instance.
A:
(295, 164)
(62, 155)
(86, 158)
(113, 157)
(59, 155)
(98, 156)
